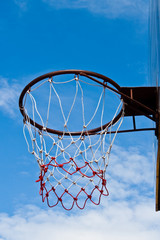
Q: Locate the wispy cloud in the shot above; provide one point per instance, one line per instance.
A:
(136, 165)
(110, 9)
(22, 4)
(130, 174)
(9, 96)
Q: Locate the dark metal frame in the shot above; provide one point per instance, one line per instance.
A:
(133, 98)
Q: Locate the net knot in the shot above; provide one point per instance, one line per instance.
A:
(82, 138)
(101, 172)
(47, 194)
(40, 179)
(76, 77)
(78, 168)
(50, 80)
(90, 196)
(44, 168)
(104, 182)
(42, 186)
(60, 165)
(60, 137)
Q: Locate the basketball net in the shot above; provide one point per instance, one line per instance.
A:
(72, 169)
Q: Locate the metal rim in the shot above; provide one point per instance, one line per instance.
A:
(77, 72)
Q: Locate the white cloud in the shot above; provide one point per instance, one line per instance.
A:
(114, 221)
(134, 164)
(9, 96)
(130, 174)
(111, 9)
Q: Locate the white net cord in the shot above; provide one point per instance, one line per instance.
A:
(72, 168)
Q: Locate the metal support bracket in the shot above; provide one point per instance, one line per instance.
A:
(140, 101)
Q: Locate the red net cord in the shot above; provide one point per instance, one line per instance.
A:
(46, 190)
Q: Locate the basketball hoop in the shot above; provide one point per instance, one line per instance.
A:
(71, 151)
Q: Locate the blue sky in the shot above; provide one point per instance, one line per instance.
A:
(108, 37)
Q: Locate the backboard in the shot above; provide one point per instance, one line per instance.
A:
(154, 36)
